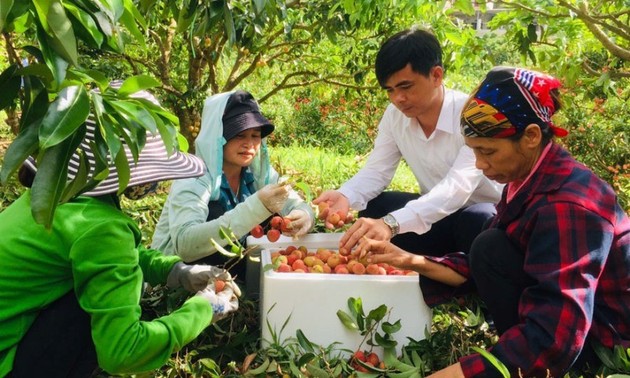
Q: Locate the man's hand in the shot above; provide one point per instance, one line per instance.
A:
(365, 227)
(332, 202)
(195, 277)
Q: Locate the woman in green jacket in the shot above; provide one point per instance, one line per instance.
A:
(71, 294)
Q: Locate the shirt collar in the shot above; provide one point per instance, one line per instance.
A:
(247, 178)
(446, 123)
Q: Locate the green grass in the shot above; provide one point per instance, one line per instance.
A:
(321, 169)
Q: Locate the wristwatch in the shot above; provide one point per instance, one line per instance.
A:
(391, 222)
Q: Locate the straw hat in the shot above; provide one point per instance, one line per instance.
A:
(154, 163)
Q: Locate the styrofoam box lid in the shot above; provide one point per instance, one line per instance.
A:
(310, 301)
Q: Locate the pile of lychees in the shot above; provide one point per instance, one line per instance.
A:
(324, 260)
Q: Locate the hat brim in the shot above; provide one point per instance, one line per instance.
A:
(245, 121)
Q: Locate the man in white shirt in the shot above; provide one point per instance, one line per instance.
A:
(421, 125)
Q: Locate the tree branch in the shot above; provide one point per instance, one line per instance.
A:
(583, 14)
(13, 55)
(326, 79)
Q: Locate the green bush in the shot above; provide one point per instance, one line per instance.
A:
(344, 122)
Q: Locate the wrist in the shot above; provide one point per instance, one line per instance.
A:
(172, 280)
(392, 223)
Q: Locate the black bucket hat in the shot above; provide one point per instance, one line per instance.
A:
(242, 113)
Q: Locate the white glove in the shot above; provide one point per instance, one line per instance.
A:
(223, 303)
(273, 196)
(300, 224)
(195, 277)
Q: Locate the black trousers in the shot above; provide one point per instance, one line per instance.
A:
(496, 266)
(58, 344)
(454, 233)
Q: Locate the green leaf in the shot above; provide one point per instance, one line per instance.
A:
(531, 32)
(101, 163)
(65, 114)
(304, 359)
(294, 369)
(39, 70)
(308, 195)
(124, 128)
(391, 328)
(316, 371)
(417, 360)
(182, 143)
(259, 6)
(51, 177)
(235, 250)
(82, 77)
(117, 6)
(5, 9)
(58, 66)
(464, 6)
(122, 167)
(27, 141)
(223, 234)
(378, 313)
(347, 320)
(220, 249)
(130, 6)
(87, 23)
(58, 27)
(135, 115)
(384, 342)
(494, 361)
(228, 20)
(9, 86)
(128, 19)
(260, 369)
(104, 23)
(137, 83)
(24, 145)
(18, 17)
(303, 341)
(79, 182)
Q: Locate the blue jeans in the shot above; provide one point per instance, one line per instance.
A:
(454, 233)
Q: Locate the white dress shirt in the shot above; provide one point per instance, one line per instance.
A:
(443, 165)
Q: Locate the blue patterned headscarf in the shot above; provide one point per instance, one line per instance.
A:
(507, 101)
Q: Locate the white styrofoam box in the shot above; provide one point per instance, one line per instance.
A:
(310, 301)
(312, 241)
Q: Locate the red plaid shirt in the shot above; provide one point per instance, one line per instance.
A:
(576, 241)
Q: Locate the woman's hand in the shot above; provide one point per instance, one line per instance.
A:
(383, 251)
(300, 224)
(273, 197)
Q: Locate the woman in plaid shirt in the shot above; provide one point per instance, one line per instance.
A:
(553, 267)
